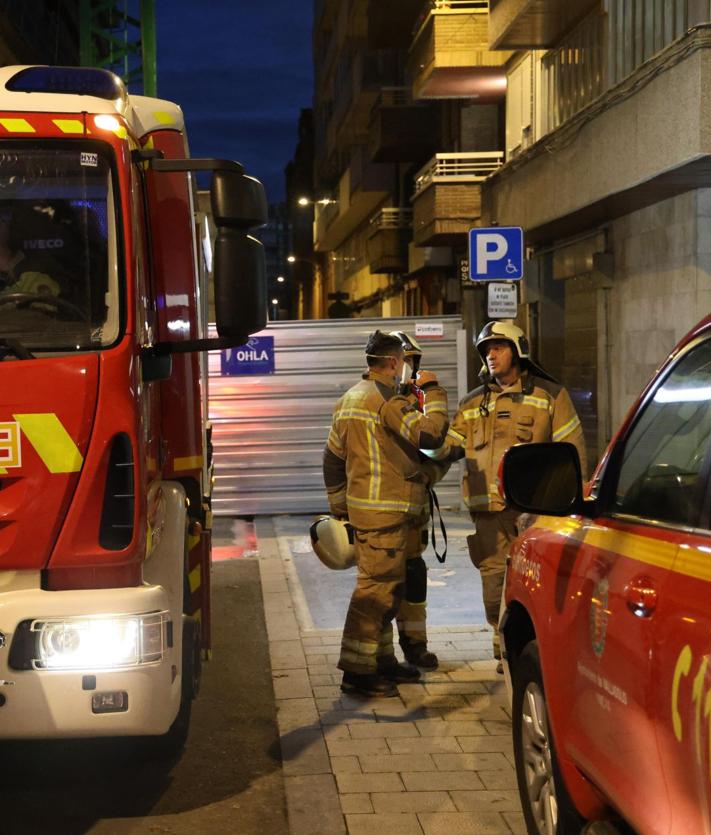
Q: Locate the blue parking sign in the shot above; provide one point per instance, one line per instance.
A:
(496, 254)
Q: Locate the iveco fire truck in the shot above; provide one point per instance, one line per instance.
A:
(105, 463)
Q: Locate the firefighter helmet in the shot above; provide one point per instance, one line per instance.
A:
(519, 344)
(413, 352)
(503, 330)
(332, 541)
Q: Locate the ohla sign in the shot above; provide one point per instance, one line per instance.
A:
(256, 357)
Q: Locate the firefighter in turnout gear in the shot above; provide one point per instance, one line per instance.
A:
(375, 478)
(412, 616)
(518, 403)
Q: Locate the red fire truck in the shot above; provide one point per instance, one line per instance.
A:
(105, 469)
(607, 621)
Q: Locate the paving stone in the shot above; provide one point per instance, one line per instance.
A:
(457, 687)
(291, 684)
(344, 717)
(421, 781)
(381, 824)
(397, 762)
(312, 641)
(486, 801)
(313, 805)
(359, 747)
(321, 680)
(413, 802)
(334, 732)
(426, 745)
(516, 822)
(498, 779)
(434, 727)
(296, 713)
(471, 762)
(370, 783)
(462, 823)
(382, 729)
(345, 765)
(303, 751)
(498, 728)
(317, 661)
(486, 744)
(356, 803)
(329, 691)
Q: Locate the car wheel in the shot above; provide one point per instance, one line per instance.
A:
(547, 806)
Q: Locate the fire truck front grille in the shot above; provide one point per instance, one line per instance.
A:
(116, 529)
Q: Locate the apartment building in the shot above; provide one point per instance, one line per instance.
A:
(608, 167)
(409, 121)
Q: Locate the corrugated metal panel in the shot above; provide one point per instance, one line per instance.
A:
(269, 432)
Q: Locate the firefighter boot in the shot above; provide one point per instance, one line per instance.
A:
(420, 656)
(368, 684)
(392, 670)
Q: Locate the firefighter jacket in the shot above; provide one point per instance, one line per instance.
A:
(371, 465)
(491, 419)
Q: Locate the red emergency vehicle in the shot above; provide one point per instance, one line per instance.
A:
(607, 618)
(105, 470)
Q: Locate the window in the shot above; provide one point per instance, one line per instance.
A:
(59, 284)
(666, 460)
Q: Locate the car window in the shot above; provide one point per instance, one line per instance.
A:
(663, 472)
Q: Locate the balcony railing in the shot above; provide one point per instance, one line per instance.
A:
(391, 219)
(467, 167)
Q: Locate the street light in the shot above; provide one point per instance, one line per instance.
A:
(281, 279)
(322, 201)
(275, 305)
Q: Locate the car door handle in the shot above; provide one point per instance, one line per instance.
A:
(641, 596)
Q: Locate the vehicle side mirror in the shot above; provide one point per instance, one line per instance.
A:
(238, 201)
(240, 276)
(155, 366)
(543, 479)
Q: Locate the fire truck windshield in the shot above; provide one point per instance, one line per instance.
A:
(59, 284)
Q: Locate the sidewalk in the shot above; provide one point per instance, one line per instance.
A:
(435, 760)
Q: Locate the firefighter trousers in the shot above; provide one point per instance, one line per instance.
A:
(412, 615)
(368, 634)
(488, 549)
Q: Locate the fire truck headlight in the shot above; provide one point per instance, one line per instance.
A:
(99, 642)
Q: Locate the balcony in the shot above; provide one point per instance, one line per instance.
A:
(450, 56)
(533, 24)
(361, 189)
(358, 82)
(447, 198)
(388, 238)
(401, 130)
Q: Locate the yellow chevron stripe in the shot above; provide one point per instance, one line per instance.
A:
(51, 442)
(17, 126)
(69, 125)
(195, 579)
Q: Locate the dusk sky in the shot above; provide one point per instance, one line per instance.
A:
(241, 70)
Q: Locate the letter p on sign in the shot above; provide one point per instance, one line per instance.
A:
(496, 254)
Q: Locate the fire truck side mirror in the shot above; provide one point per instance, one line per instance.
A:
(240, 276)
(238, 200)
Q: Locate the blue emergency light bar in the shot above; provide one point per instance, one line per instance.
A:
(80, 81)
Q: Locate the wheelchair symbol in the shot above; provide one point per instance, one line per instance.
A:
(510, 267)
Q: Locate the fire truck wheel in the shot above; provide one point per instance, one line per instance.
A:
(171, 744)
(547, 806)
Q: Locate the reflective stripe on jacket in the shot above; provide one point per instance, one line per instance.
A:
(491, 419)
(371, 464)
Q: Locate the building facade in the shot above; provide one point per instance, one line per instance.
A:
(408, 122)
(608, 155)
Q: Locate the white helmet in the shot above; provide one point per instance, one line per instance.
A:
(332, 540)
(518, 341)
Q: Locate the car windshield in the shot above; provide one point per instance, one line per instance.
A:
(59, 287)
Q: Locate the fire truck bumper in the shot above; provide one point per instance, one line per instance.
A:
(88, 663)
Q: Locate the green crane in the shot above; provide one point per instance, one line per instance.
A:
(115, 39)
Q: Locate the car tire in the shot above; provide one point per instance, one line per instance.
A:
(547, 806)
